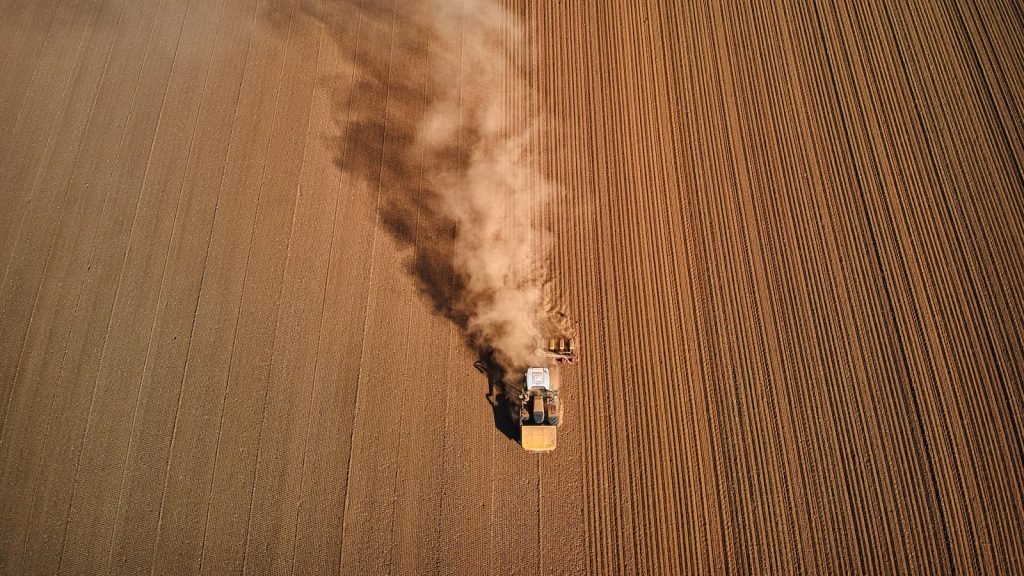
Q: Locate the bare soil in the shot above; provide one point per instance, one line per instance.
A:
(792, 235)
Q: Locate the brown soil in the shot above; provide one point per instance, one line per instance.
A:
(793, 236)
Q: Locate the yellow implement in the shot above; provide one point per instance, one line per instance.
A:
(539, 438)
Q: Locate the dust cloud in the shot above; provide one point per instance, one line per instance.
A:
(434, 118)
(475, 155)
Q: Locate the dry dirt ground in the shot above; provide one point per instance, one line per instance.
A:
(792, 232)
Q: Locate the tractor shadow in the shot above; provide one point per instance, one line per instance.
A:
(502, 396)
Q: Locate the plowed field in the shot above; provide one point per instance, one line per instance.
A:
(792, 234)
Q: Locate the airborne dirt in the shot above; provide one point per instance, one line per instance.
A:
(270, 268)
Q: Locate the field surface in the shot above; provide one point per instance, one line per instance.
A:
(792, 234)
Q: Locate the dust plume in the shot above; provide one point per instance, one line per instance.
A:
(475, 155)
(436, 116)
